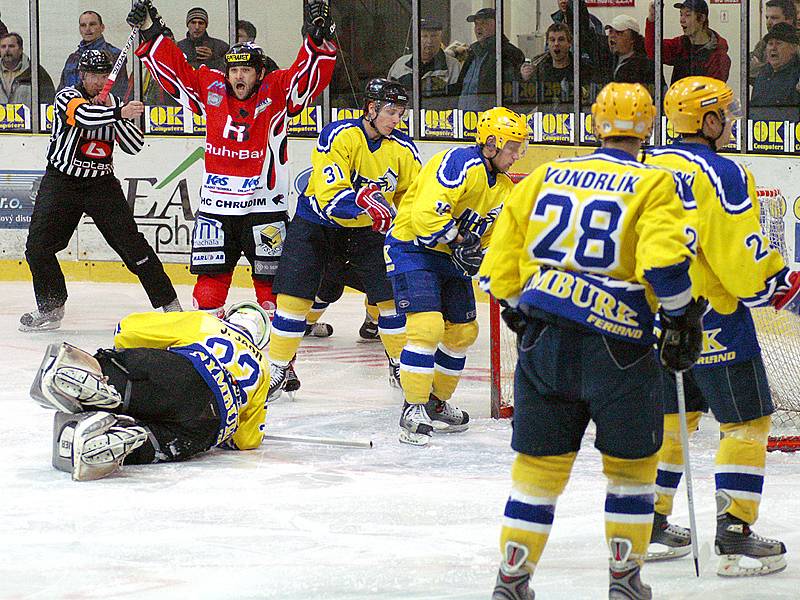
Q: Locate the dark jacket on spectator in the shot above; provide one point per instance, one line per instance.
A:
(70, 76)
(512, 59)
(3, 28)
(711, 60)
(595, 55)
(774, 96)
(47, 91)
(218, 49)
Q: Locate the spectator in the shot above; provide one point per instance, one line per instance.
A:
(246, 32)
(199, 48)
(565, 7)
(699, 51)
(593, 45)
(477, 79)
(91, 28)
(438, 72)
(15, 74)
(774, 96)
(776, 11)
(554, 73)
(630, 61)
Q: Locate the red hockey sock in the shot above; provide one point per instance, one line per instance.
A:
(211, 291)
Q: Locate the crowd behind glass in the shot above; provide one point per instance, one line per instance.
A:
(550, 61)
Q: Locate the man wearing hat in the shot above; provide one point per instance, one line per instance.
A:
(775, 11)
(438, 72)
(479, 71)
(198, 47)
(631, 64)
(775, 96)
(699, 51)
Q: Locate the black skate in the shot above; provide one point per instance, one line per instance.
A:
(445, 417)
(513, 581)
(37, 320)
(625, 583)
(415, 425)
(369, 330)
(744, 553)
(319, 330)
(668, 541)
(292, 383)
(394, 372)
(277, 381)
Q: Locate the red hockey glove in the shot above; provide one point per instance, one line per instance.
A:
(790, 299)
(376, 206)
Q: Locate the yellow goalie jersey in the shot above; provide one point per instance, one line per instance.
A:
(344, 161)
(595, 239)
(454, 192)
(736, 267)
(232, 366)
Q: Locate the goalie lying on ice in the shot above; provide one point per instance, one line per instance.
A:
(175, 385)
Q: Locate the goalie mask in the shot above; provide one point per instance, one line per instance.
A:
(251, 320)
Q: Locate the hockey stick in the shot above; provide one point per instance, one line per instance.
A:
(687, 469)
(344, 443)
(112, 77)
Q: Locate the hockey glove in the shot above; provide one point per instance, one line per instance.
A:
(790, 299)
(467, 254)
(681, 340)
(145, 16)
(318, 22)
(515, 319)
(376, 206)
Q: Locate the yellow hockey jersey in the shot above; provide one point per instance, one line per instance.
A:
(597, 239)
(736, 267)
(454, 192)
(232, 366)
(344, 161)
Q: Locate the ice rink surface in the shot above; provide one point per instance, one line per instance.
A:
(294, 521)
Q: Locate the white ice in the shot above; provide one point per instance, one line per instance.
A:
(294, 521)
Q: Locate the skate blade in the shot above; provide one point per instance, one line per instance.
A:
(738, 565)
(413, 439)
(658, 552)
(50, 326)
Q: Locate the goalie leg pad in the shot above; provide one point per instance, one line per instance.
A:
(94, 444)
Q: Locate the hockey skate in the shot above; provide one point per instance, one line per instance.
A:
(394, 372)
(623, 573)
(277, 381)
(37, 320)
(743, 553)
(445, 417)
(369, 330)
(174, 306)
(415, 425)
(94, 445)
(292, 381)
(667, 541)
(319, 330)
(513, 581)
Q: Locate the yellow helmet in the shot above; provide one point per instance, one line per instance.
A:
(690, 99)
(623, 109)
(505, 125)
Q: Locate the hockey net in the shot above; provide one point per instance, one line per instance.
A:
(778, 334)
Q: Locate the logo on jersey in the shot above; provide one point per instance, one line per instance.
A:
(262, 106)
(208, 233)
(386, 182)
(214, 99)
(469, 220)
(236, 131)
(269, 238)
(96, 149)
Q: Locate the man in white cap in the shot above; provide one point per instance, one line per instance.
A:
(631, 64)
(198, 47)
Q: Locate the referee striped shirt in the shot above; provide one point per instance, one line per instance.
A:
(83, 137)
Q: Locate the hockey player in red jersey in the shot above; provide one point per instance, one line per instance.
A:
(244, 196)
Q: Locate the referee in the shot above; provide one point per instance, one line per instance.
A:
(80, 179)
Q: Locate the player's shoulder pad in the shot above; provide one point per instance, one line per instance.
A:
(456, 163)
(405, 140)
(332, 130)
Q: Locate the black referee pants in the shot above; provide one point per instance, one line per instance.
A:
(60, 203)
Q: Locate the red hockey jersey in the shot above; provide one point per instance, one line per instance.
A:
(246, 162)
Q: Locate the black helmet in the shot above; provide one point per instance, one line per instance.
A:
(95, 61)
(384, 90)
(246, 54)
